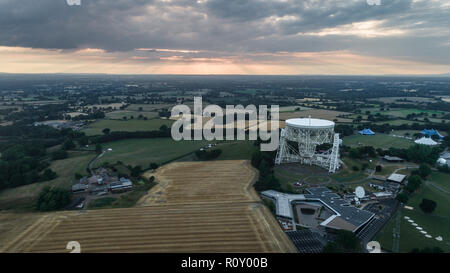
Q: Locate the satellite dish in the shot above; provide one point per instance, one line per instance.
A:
(360, 192)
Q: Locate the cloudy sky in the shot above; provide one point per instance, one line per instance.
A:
(225, 37)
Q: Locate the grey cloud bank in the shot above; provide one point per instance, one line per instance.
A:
(405, 29)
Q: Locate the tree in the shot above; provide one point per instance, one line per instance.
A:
(98, 148)
(154, 166)
(136, 171)
(60, 154)
(424, 170)
(48, 175)
(53, 199)
(345, 242)
(378, 168)
(83, 141)
(69, 145)
(106, 131)
(428, 206)
(414, 183)
(403, 197)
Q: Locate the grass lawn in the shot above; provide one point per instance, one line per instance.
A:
(377, 141)
(287, 177)
(145, 151)
(440, 179)
(235, 150)
(348, 174)
(133, 125)
(25, 196)
(435, 224)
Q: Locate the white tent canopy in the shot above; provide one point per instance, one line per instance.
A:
(426, 141)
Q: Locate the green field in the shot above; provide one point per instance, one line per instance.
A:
(25, 196)
(145, 151)
(120, 114)
(436, 223)
(440, 179)
(235, 150)
(133, 125)
(377, 141)
(347, 174)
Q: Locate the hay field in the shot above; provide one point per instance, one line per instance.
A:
(193, 209)
(316, 113)
(226, 181)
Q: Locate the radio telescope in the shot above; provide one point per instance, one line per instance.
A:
(299, 141)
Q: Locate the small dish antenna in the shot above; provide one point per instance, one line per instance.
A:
(360, 192)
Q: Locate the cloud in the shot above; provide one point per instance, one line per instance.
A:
(229, 32)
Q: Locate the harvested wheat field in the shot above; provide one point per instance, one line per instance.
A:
(196, 207)
(227, 181)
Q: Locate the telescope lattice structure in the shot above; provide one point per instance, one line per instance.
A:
(299, 141)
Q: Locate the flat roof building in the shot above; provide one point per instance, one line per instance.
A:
(397, 178)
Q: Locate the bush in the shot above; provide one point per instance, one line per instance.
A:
(208, 155)
(424, 170)
(403, 197)
(48, 175)
(345, 242)
(414, 183)
(428, 206)
(355, 168)
(53, 199)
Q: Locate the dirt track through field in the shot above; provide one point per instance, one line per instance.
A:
(196, 207)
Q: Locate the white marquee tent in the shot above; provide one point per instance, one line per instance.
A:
(426, 141)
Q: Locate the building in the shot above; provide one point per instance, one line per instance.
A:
(342, 214)
(397, 178)
(79, 188)
(383, 195)
(444, 159)
(122, 185)
(393, 158)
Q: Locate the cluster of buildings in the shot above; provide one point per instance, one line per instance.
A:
(62, 124)
(101, 182)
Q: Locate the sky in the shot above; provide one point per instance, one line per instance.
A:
(254, 37)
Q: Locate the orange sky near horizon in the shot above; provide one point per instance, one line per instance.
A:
(30, 60)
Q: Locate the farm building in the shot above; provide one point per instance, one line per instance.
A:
(79, 188)
(122, 185)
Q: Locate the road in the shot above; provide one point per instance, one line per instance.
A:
(93, 160)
